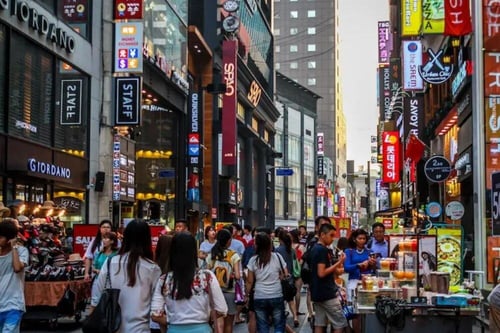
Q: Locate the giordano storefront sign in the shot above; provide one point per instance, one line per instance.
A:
(43, 24)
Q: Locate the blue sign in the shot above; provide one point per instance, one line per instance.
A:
(433, 209)
(284, 172)
(194, 150)
(168, 173)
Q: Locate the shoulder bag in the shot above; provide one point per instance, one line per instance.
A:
(107, 315)
(287, 284)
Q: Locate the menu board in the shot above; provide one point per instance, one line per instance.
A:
(449, 252)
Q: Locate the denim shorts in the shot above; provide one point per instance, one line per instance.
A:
(10, 321)
(273, 308)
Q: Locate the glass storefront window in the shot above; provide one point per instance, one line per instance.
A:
(165, 38)
(31, 81)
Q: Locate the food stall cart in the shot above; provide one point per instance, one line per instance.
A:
(401, 297)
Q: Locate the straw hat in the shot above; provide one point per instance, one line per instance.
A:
(75, 257)
(48, 205)
(4, 211)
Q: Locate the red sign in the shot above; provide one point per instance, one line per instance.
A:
(84, 234)
(128, 10)
(194, 138)
(457, 19)
(229, 101)
(388, 223)
(491, 25)
(390, 157)
(342, 207)
(491, 73)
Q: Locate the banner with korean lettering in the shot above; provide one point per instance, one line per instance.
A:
(457, 19)
(411, 17)
(229, 101)
(491, 25)
(433, 17)
(384, 45)
(412, 59)
(390, 157)
(384, 90)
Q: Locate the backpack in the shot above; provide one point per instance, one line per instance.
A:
(305, 270)
(223, 271)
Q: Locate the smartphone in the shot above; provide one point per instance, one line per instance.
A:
(375, 255)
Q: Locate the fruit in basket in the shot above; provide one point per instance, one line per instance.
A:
(409, 275)
(398, 274)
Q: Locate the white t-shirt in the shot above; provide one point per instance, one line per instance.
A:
(12, 283)
(206, 246)
(267, 278)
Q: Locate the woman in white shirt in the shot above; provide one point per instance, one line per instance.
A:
(95, 246)
(135, 273)
(188, 293)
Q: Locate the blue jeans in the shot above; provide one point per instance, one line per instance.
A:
(10, 321)
(270, 308)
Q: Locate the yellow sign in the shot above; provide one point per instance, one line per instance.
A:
(433, 16)
(411, 17)
(254, 93)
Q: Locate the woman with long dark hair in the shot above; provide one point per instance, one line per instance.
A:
(188, 293)
(95, 246)
(264, 268)
(221, 252)
(134, 272)
(289, 255)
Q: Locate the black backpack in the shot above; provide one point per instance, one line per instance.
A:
(305, 269)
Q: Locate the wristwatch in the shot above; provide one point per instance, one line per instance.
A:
(15, 247)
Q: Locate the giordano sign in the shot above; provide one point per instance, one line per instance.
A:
(43, 24)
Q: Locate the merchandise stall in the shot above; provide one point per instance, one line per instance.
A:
(54, 285)
(410, 292)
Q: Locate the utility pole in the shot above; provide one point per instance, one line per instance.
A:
(368, 193)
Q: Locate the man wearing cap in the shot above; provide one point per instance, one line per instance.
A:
(13, 259)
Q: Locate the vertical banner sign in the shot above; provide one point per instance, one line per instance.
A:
(492, 73)
(414, 116)
(384, 47)
(495, 202)
(127, 100)
(457, 19)
(321, 166)
(395, 75)
(129, 38)
(321, 144)
(229, 101)
(411, 17)
(433, 17)
(194, 135)
(390, 157)
(127, 9)
(384, 87)
(491, 25)
(412, 59)
(116, 168)
(71, 102)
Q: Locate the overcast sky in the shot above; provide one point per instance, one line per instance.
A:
(359, 61)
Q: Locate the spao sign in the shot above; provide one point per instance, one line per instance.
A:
(27, 13)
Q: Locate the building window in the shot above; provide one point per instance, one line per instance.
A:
(294, 31)
(276, 32)
(311, 47)
(294, 65)
(311, 64)
(277, 48)
(255, 124)
(311, 13)
(294, 48)
(311, 81)
(277, 65)
(294, 14)
(311, 31)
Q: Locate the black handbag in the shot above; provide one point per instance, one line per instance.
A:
(287, 284)
(107, 315)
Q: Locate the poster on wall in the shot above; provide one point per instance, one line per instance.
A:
(493, 258)
(427, 259)
(449, 251)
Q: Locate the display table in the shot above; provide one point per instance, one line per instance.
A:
(424, 319)
(51, 292)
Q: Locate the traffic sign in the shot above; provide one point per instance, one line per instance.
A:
(284, 171)
(437, 169)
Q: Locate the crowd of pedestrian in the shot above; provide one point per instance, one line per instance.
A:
(232, 277)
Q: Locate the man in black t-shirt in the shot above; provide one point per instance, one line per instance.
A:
(324, 266)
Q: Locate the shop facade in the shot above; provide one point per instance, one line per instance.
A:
(46, 102)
